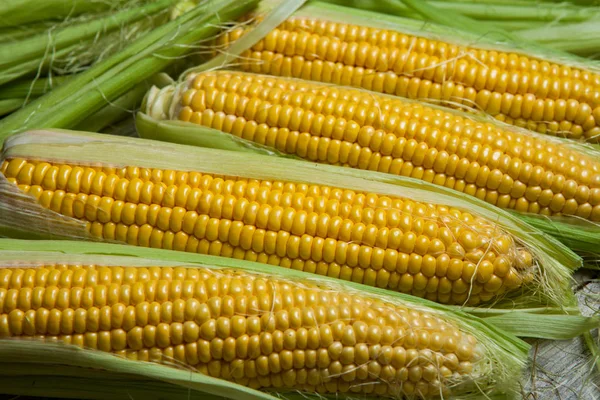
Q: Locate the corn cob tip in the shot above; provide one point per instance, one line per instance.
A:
(157, 102)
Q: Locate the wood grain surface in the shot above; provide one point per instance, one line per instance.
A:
(564, 370)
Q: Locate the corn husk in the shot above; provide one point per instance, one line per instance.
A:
(90, 91)
(15, 13)
(72, 45)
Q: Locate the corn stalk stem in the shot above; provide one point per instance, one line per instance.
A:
(15, 53)
(71, 103)
(19, 12)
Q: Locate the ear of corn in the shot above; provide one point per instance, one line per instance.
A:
(549, 93)
(561, 26)
(540, 176)
(227, 320)
(383, 231)
(114, 266)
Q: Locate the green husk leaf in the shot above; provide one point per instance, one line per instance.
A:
(88, 92)
(555, 260)
(529, 11)
(123, 106)
(581, 38)
(453, 19)
(545, 326)
(273, 19)
(14, 53)
(18, 12)
(562, 27)
(22, 233)
(593, 347)
(14, 33)
(493, 11)
(34, 352)
(101, 386)
(518, 25)
(115, 111)
(27, 88)
(124, 127)
(578, 234)
(9, 105)
(280, 12)
(33, 67)
(13, 97)
(185, 133)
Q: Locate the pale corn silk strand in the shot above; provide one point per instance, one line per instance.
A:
(544, 96)
(252, 329)
(431, 251)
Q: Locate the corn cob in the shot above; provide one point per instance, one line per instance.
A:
(435, 251)
(257, 330)
(322, 43)
(508, 168)
(432, 252)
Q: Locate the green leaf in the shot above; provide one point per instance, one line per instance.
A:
(32, 353)
(544, 326)
(9, 105)
(14, 13)
(185, 133)
(26, 88)
(88, 92)
(13, 53)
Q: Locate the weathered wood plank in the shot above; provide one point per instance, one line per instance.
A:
(563, 370)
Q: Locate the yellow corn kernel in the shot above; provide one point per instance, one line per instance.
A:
(240, 326)
(387, 242)
(353, 128)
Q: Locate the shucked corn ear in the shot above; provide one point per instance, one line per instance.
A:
(260, 330)
(253, 330)
(339, 45)
(274, 211)
(507, 167)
